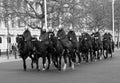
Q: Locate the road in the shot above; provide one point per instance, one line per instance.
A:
(104, 71)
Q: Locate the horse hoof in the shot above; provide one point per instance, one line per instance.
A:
(79, 62)
(64, 68)
(38, 69)
(47, 69)
(105, 57)
(32, 67)
(95, 60)
(45, 64)
(59, 69)
(86, 61)
(25, 69)
(73, 67)
(43, 69)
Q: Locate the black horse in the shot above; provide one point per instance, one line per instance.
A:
(44, 49)
(68, 47)
(85, 46)
(25, 50)
(40, 50)
(73, 38)
(97, 45)
(107, 44)
(58, 50)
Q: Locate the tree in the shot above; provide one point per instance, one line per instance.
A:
(117, 19)
(97, 13)
(76, 13)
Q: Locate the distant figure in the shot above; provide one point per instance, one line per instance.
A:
(14, 51)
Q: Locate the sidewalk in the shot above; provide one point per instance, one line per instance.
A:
(3, 58)
(117, 49)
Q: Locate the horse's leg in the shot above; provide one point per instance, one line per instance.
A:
(32, 64)
(98, 55)
(55, 61)
(103, 54)
(111, 55)
(86, 57)
(74, 55)
(70, 63)
(49, 62)
(43, 62)
(59, 63)
(73, 60)
(107, 53)
(94, 54)
(36, 60)
(111, 52)
(32, 59)
(91, 57)
(65, 61)
(24, 64)
(79, 57)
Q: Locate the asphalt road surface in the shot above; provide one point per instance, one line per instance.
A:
(104, 71)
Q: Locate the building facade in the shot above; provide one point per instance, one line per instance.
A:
(12, 25)
(13, 32)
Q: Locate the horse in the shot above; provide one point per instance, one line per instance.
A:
(85, 46)
(97, 44)
(68, 48)
(25, 50)
(45, 49)
(107, 44)
(73, 38)
(58, 51)
(40, 50)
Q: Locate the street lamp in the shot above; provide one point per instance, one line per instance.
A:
(45, 10)
(113, 20)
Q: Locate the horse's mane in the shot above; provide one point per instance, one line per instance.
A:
(71, 33)
(86, 35)
(43, 31)
(97, 34)
(107, 36)
(61, 33)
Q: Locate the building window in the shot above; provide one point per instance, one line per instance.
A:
(9, 40)
(13, 24)
(21, 23)
(0, 40)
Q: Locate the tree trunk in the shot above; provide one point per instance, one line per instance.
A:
(7, 27)
(118, 36)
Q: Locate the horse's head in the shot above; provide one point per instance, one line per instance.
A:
(84, 39)
(51, 34)
(27, 35)
(72, 36)
(95, 37)
(106, 37)
(20, 41)
(61, 34)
